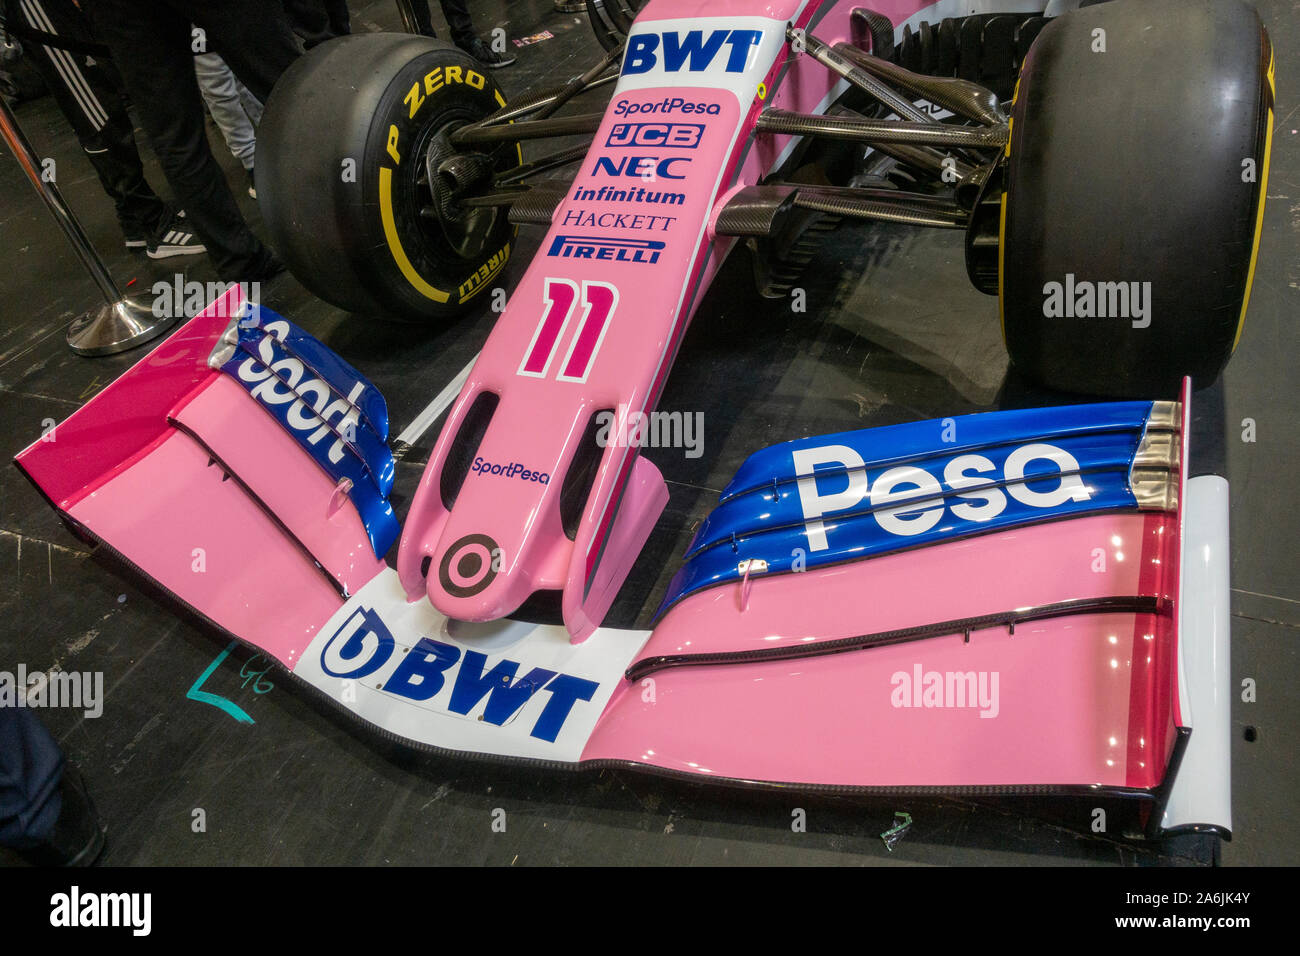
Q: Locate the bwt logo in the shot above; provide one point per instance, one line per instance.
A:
(363, 646)
(668, 135)
(909, 482)
(690, 51)
(617, 250)
(640, 167)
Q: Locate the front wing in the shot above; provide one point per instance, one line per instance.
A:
(1013, 602)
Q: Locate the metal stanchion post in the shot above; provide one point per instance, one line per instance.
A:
(122, 322)
(407, 13)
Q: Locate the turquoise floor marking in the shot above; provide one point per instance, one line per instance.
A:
(203, 697)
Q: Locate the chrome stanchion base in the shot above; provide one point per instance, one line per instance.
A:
(116, 327)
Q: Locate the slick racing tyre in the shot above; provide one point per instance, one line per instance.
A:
(350, 136)
(1136, 171)
(612, 20)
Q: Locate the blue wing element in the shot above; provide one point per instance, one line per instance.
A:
(334, 413)
(859, 494)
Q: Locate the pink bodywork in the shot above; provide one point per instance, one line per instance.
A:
(547, 396)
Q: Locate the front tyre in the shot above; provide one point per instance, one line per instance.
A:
(1135, 189)
(612, 20)
(343, 183)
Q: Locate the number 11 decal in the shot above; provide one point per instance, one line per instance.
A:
(599, 300)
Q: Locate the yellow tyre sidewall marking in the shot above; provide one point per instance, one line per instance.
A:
(1259, 214)
(1002, 222)
(395, 244)
(485, 273)
(394, 241)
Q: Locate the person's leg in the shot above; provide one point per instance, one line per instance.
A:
(314, 21)
(116, 159)
(46, 812)
(423, 18)
(459, 22)
(220, 91)
(339, 17)
(308, 21)
(31, 769)
(252, 36)
(89, 94)
(226, 97)
(150, 43)
(463, 35)
(252, 105)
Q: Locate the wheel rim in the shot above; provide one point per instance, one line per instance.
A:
(443, 222)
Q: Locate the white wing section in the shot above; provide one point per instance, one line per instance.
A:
(505, 688)
(1201, 796)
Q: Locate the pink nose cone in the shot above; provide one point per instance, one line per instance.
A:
(467, 580)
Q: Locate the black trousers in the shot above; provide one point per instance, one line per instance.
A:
(152, 45)
(31, 769)
(315, 21)
(89, 92)
(458, 21)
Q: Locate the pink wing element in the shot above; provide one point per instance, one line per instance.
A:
(1078, 700)
(175, 468)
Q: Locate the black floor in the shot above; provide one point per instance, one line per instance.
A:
(893, 332)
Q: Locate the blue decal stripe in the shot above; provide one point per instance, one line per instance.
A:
(761, 508)
(783, 547)
(369, 448)
(327, 423)
(900, 444)
(365, 446)
(328, 367)
(381, 524)
(855, 495)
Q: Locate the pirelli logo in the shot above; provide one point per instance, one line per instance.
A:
(616, 250)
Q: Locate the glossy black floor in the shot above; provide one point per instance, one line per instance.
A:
(893, 332)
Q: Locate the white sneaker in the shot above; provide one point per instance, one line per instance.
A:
(174, 239)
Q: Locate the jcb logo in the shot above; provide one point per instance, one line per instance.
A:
(670, 135)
